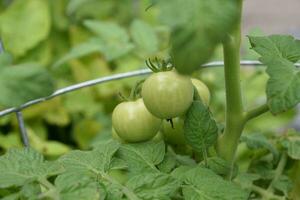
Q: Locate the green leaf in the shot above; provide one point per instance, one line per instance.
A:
(293, 147)
(143, 156)
(22, 83)
(18, 166)
(259, 141)
(75, 4)
(24, 24)
(84, 131)
(282, 46)
(115, 40)
(201, 130)
(97, 161)
(78, 186)
(200, 183)
(245, 180)
(197, 28)
(111, 40)
(6, 59)
(168, 164)
(9, 141)
(30, 191)
(144, 37)
(280, 53)
(291, 143)
(150, 186)
(118, 163)
(283, 184)
(91, 46)
(107, 30)
(220, 166)
(264, 168)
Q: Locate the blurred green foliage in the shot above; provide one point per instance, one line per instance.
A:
(75, 41)
(79, 40)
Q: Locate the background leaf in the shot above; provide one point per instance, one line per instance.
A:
(22, 83)
(19, 166)
(144, 37)
(21, 35)
(280, 53)
(196, 31)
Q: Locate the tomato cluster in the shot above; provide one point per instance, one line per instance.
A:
(159, 112)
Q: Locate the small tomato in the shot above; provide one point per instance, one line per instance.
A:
(167, 94)
(134, 123)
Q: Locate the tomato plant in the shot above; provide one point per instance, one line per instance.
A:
(173, 138)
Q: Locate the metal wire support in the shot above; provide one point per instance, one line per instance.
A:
(112, 78)
(1, 47)
(22, 128)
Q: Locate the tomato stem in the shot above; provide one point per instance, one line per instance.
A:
(135, 91)
(228, 142)
(256, 112)
(279, 170)
(51, 192)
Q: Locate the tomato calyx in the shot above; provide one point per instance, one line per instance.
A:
(157, 65)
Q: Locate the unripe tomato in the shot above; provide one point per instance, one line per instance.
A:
(115, 135)
(167, 94)
(133, 122)
(203, 90)
(158, 137)
(174, 135)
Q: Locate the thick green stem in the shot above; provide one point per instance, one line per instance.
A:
(228, 142)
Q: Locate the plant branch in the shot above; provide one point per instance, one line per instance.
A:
(279, 170)
(256, 112)
(52, 192)
(264, 193)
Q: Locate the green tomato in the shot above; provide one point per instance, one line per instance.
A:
(202, 89)
(115, 135)
(168, 94)
(174, 135)
(133, 122)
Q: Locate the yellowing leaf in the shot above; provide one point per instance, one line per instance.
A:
(24, 24)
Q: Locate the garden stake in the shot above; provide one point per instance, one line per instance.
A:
(22, 128)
